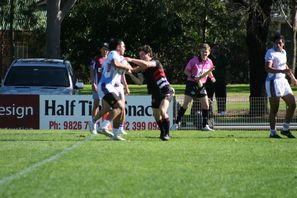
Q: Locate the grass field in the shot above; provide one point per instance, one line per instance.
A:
(47, 163)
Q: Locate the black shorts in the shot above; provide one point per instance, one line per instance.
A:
(165, 93)
(193, 90)
(111, 99)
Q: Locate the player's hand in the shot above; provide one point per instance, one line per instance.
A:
(129, 67)
(213, 80)
(128, 59)
(196, 78)
(127, 91)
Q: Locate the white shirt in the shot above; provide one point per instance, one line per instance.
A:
(279, 61)
(111, 74)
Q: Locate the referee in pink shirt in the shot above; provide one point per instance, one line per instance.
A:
(196, 71)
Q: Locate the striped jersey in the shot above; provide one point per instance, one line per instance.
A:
(155, 78)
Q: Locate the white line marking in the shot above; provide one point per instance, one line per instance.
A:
(31, 168)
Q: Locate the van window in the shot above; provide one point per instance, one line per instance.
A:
(37, 76)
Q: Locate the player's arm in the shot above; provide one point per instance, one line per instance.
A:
(187, 72)
(121, 65)
(126, 87)
(142, 63)
(270, 69)
(211, 76)
(137, 69)
(137, 80)
(292, 76)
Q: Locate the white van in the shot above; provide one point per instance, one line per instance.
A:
(40, 76)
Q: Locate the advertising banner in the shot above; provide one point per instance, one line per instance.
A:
(69, 112)
(19, 111)
(74, 112)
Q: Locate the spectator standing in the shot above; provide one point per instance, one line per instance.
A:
(219, 87)
(95, 75)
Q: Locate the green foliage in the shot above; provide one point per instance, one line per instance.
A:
(48, 163)
(25, 15)
(172, 28)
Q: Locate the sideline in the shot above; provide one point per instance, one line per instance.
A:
(31, 168)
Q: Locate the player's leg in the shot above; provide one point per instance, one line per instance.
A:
(274, 105)
(165, 117)
(291, 106)
(95, 109)
(204, 101)
(190, 92)
(158, 119)
(187, 100)
(122, 115)
(113, 101)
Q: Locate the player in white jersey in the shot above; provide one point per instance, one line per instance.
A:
(277, 86)
(112, 73)
(121, 87)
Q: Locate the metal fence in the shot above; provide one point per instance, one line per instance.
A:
(242, 113)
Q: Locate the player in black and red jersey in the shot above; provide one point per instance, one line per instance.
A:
(157, 85)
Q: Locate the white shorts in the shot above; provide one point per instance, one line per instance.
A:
(278, 87)
(120, 90)
(106, 89)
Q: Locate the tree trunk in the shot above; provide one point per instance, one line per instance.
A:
(55, 16)
(257, 32)
(11, 21)
(294, 29)
(53, 29)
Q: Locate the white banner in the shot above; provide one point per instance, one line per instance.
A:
(74, 112)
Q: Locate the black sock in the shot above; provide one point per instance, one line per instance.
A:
(160, 124)
(204, 117)
(166, 124)
(180, 114)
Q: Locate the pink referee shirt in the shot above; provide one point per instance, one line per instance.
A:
(197, 68)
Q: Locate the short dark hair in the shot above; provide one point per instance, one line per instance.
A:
(105, 45)
(113, 43)
(278, 36)
(146, 49)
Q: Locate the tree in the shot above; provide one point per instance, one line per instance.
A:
(257, 28)
(55, 16)
(172, 28)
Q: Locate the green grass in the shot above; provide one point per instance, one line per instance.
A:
(192, 164)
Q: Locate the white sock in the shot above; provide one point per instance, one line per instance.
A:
(115, 131)
(286, 126)
(105, 124)
(121, 127)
